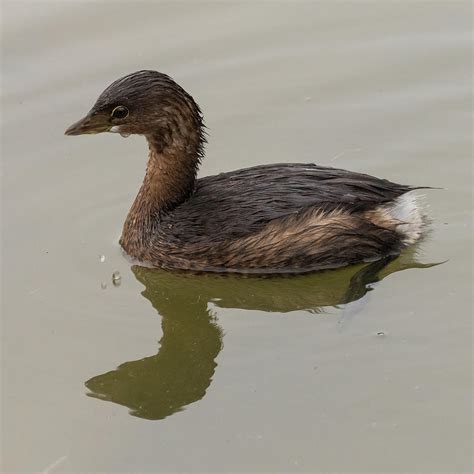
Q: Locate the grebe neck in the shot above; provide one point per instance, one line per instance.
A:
(169, 180)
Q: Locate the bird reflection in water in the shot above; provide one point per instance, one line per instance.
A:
(180, 373)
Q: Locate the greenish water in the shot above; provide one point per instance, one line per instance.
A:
(179, 374)
(364, 369)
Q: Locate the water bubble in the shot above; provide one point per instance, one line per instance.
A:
(102, 258)
(116, 278)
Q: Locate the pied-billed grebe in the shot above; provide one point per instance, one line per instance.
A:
(266, 219)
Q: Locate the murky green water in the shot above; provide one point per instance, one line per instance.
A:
(365, 369)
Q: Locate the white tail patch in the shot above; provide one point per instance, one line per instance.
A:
(406, 213)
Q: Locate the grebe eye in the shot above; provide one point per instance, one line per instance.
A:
(119, 112)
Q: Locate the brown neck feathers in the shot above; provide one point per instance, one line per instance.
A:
(169, 180)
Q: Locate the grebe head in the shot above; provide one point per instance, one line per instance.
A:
(146, 103)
